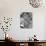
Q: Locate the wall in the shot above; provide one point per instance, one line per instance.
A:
(13, 8)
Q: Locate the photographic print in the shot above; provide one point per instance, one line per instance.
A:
(26, 20)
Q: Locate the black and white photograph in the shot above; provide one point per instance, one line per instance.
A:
(26, 20)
